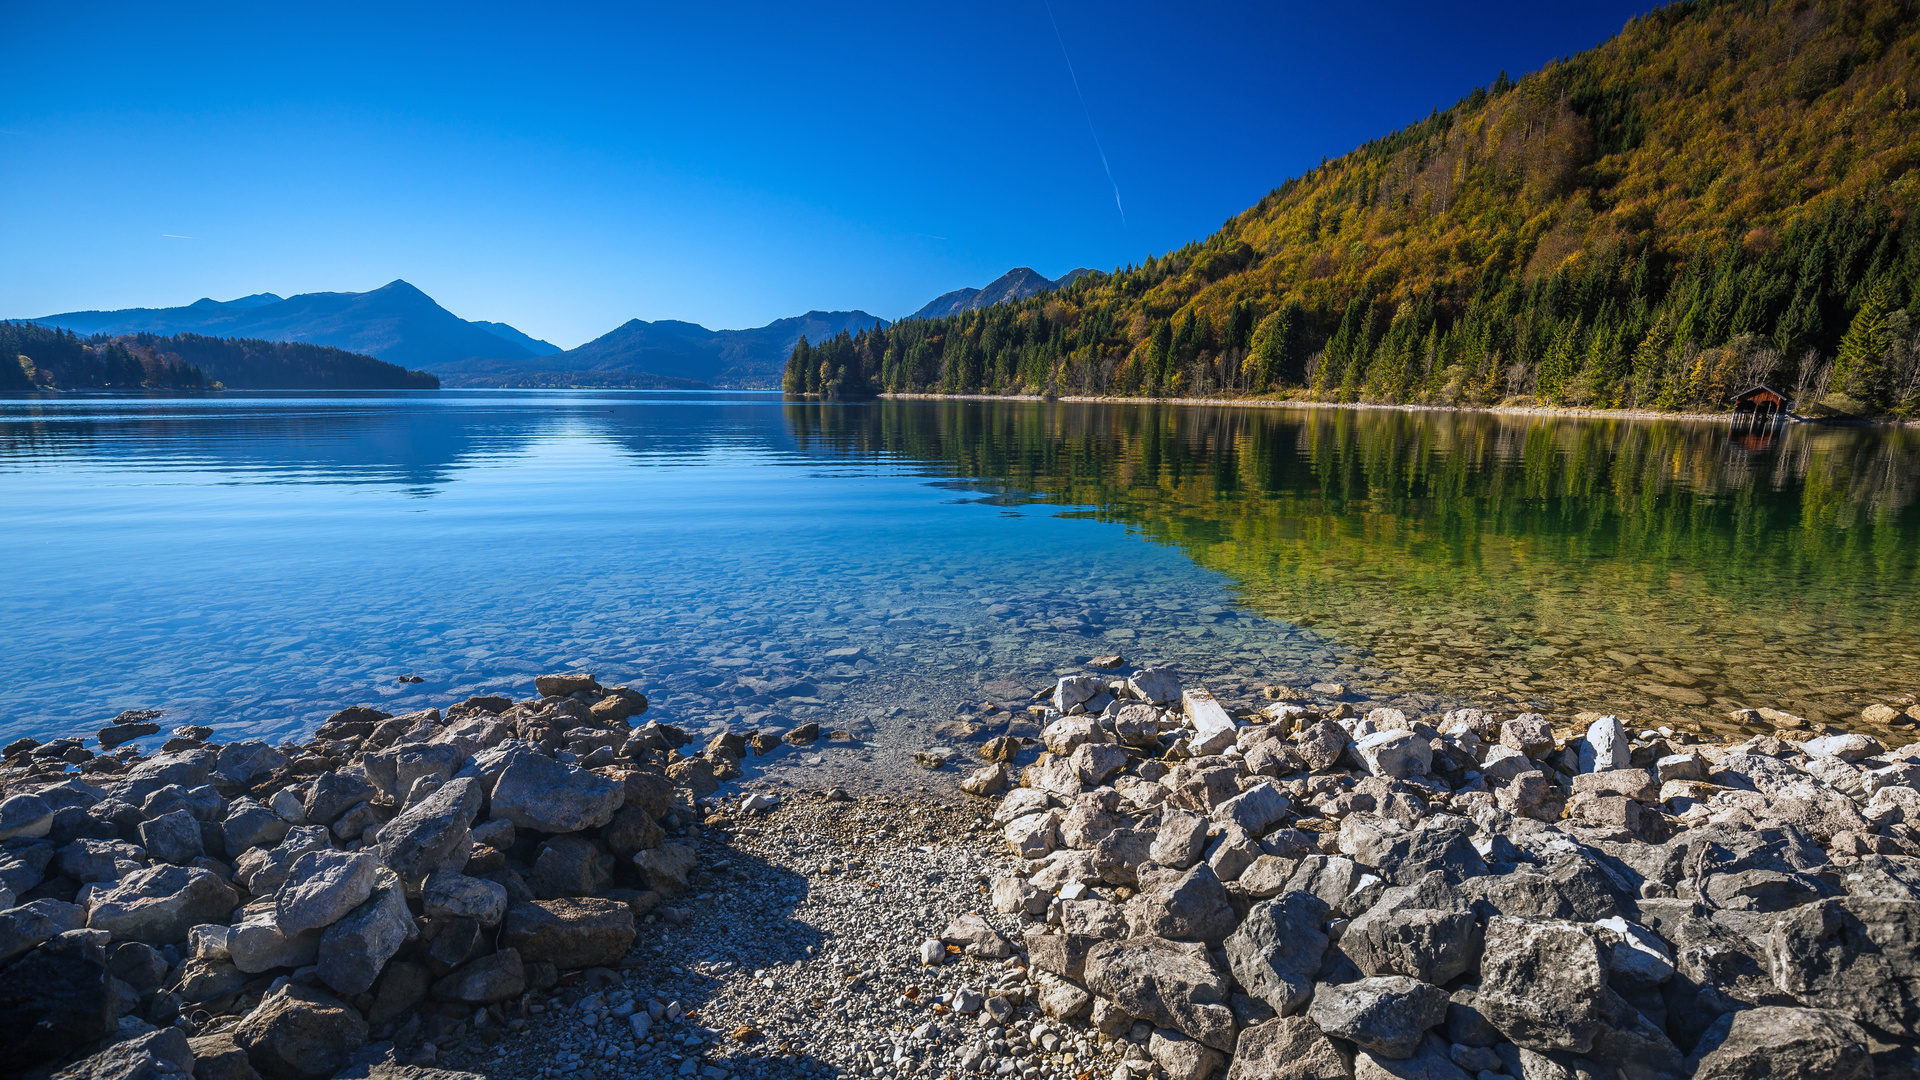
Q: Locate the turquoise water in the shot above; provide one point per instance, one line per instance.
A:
(255, 562)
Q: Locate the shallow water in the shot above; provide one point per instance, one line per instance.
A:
(254, 562)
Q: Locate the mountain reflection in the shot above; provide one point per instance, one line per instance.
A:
(1685, 568)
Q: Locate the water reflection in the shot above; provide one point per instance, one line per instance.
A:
(1673, 569)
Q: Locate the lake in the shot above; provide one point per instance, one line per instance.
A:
(254, 562)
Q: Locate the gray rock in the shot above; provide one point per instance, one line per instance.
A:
(394, 770)
(1572, 889)
(403, 986)
(1395, 755)
(569, 933)
(1288, 1048)
(218, 1057)
(248, 824)
(204, 981)
(159, 904)
(262, 872)
(1169, 984)
(1257, 809)
(355, 948)
(322, 887)
(1430, 1061)
(241, 763)
(1541, 984)
(1095, 762)
(203, 801)
(88, 860)
(1182, 906)
(173, 837)
(1182, 1058)
(565, 684)
(1276, 952)
(23, 865)
(1232, 853)
(571, 866)
(1769, 1042)
(434, 833)
(1322, 745)
(1852, 956)
(499, 977)
(30, 925)
(28, 816)
(1332, 878)
(446, 894)
(1423, 930)
(668, 866)
(1404, 856)
(1605, 747)
(156, 1055)
(1157, 685)
(542, 794)
(259, 945)
(1180, 839)
(976, 937)
(298, 1033)
(62, 995)
(1529, 733)
(1387, 1015)
(335, 793)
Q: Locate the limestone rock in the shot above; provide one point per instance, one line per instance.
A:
(322, 886)
(298, 1033)
(446, 894)
(569, 933)
(159, 904)
(1276, 952)
(433, 834)
(1286, 1048)
(1853, 956)
(157, 1055)
(355, 948)
(1387, 1015)
(1167, 983)
(539, 793)
(62, 994)
(499, 977)
(1769, 1042)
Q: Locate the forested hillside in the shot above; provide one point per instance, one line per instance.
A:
(47, 358)
(1719, 196)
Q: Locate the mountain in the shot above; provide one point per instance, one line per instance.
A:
(51, 358)
(1721, 195)
(667, 354)
(532, 344)
(1016, 284)
(396, 323)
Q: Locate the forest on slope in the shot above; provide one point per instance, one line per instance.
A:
(49, 358)
(1720, 196)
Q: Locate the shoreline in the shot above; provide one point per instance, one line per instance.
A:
(1497, 410)
(553, 889)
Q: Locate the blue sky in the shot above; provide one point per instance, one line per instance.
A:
(567, 169)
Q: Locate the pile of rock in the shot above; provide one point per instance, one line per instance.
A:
(1302, 893)
(244, 909)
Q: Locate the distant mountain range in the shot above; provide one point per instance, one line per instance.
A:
(402, 325)
(1016, 284)
(396, 322)
(682, 353)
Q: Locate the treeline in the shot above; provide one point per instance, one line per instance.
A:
(1720, 196)
(46, 357)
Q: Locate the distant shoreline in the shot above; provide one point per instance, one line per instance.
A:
(1504, 410)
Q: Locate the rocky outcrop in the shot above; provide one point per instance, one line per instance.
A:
(1310, 893)
(304, 899)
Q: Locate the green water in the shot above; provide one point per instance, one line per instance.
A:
(1672, 571)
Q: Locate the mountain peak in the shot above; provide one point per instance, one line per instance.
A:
(1016, 284)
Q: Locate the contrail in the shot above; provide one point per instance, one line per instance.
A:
(1088, 112)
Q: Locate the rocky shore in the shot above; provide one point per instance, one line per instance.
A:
(1159, 885)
